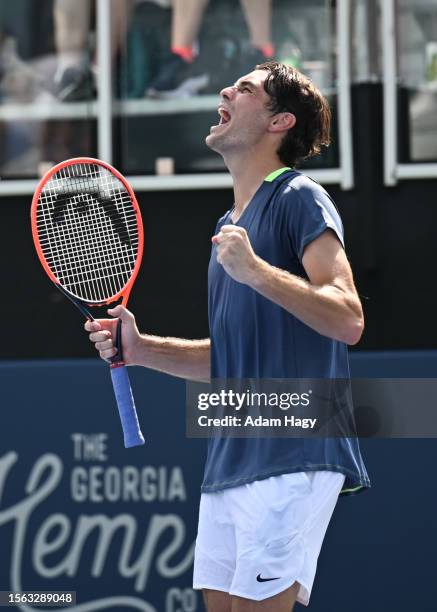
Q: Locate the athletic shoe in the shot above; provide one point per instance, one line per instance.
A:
(250, 58)
(75, 85)
(177, 79)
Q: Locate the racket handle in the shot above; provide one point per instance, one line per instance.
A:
(126, 406)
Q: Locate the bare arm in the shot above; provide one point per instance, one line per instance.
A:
(328, 302)
(188, 359)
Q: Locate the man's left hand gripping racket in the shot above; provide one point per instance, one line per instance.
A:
(88, 233)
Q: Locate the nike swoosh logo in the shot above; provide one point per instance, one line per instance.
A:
(259, 579)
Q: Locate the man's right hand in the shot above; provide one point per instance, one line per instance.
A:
(103, 333)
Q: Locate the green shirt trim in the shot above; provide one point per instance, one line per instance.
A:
(271, 177)
(354, 490)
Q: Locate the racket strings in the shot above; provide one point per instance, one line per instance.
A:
(88, 231)
(91, 261)
(102, 266)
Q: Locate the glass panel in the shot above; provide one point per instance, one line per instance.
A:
(417, 62)
(167, 103)
(47, 84)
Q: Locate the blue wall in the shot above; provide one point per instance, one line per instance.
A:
(56, 502)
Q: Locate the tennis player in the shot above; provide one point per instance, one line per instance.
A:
(282, 304)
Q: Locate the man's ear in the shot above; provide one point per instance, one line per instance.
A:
(282, 122)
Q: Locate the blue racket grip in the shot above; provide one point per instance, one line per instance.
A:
(126, 406)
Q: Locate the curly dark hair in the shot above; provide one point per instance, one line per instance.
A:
(291, 91)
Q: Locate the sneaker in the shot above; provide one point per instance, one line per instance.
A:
(75, 85)
(250, 58)
(236, 66)
(177, 79)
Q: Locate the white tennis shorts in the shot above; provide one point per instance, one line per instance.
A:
(256, 540)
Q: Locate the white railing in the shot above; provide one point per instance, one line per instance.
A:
(389, 72)
(104, 96)
(344, 103)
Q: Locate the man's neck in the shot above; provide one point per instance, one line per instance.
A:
(248, 173)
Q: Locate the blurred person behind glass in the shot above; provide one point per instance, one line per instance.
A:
(76, 73)
(179, 75)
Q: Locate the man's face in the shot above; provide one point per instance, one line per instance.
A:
(244, 116)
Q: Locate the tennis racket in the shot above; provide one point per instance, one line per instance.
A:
(88, 233)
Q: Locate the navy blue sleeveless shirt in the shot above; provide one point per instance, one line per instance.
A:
(251, 337)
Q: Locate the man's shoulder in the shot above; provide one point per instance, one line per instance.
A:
(298, 185)
(303, 194)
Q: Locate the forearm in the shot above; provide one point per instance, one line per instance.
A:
(327, 309)
(188, 359)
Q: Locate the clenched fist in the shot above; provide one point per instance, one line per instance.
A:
(235, 253)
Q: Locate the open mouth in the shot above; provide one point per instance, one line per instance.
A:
(225, 116)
